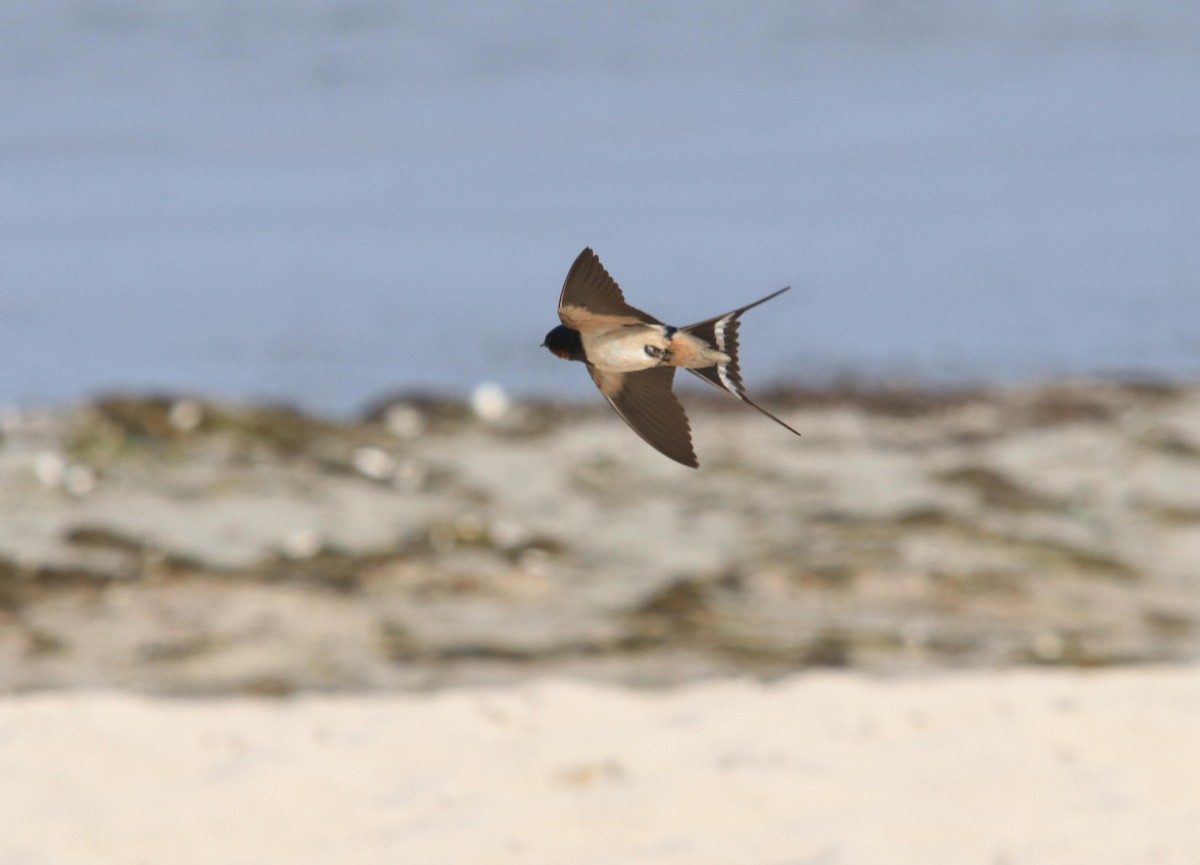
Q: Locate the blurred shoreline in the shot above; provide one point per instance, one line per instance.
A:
(173, 545)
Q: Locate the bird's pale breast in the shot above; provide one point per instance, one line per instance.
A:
(624, 349)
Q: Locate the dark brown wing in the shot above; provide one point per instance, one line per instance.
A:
(589, 295)
(644, 400)
(721, 332)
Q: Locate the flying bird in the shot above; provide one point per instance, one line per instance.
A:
(632, 356)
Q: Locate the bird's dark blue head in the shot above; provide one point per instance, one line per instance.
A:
(565, 343)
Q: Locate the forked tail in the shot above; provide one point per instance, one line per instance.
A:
(721, 333)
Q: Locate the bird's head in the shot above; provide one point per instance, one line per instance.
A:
(564, 342)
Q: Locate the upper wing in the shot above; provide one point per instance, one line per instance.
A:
(590, 296)
(644, 400)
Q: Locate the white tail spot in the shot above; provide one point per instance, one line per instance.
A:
(719, 332)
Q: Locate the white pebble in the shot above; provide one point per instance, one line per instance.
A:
(374, 463)
(186, 415)
(49, 468)
(490, 402)
(301, 544)
(404, 421)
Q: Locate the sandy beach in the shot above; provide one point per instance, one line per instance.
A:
(1020, 767)
(939, 627)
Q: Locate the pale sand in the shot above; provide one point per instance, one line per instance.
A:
(1015, 767)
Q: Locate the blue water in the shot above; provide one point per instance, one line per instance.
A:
(322, 202)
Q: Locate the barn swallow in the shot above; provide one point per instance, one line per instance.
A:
(632, 356)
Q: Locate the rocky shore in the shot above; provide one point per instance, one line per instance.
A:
(178, 546)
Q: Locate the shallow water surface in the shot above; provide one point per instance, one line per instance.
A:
(324, 203)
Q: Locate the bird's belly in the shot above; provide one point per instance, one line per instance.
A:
(623, 350)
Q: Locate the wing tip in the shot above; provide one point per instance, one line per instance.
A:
(687, 458)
